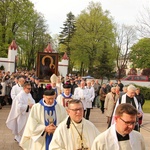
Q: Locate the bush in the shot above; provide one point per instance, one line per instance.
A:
(145, 91)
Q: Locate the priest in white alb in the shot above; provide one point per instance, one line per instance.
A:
(17, 88)
(81, 93)
(65, 96)
(121, 136)
(75, 132)
(19, 112)
(44, 117)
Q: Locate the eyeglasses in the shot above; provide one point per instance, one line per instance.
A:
(75, 110)
(128, 123)
(29, 88)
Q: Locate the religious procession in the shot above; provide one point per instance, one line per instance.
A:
(67, 91)
(56, 115)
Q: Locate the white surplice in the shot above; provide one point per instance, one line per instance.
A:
(33, 137)
(108, 141)
(15, 91)
(83, 95)
(60, 98)
(18, 114)
(123, 100)
(69, 139)
(91, 94)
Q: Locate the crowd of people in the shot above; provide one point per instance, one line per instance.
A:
(55, 115)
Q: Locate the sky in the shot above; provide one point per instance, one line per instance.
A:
(55, 11)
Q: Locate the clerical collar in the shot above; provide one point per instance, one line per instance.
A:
(122, 138)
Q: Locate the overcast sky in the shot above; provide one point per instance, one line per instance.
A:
(55, 11)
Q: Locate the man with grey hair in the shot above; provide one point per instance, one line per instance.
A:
(81, 93)
(110, 101)
(109, 86)
(130, 98)
(124, 91)
(17, 88)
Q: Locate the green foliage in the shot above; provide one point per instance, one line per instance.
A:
(35, 40)
(68, 29)
(13, 15)
(146, 106)
(145, 91)
(66, 36)
(19, 21)
(94, 29)
(105, 68)
(141, 52)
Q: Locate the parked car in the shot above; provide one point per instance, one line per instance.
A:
(135, 78)
(87, 77)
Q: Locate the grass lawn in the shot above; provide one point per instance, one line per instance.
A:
(146, 106)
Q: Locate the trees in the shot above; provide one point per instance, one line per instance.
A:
(32, 38)
(141, 52)
(19, 21)
(105, 67)
(67, 33)
(126, 36)
(143, 23)
(94, 36)
(13, 15)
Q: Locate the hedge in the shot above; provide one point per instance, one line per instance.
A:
(145, 91)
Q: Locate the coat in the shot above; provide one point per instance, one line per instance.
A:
(109, 104)
(102, 94)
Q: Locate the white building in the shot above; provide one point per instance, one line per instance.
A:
(10, 62)
(63, 65)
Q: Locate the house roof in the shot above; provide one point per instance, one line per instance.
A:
(65, 57)
(13, 45)
(48, 49)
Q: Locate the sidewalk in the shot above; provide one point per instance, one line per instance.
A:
(7, 139)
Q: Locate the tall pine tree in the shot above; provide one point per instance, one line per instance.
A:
(67, 33)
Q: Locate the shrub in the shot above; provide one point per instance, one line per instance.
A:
(145, 91)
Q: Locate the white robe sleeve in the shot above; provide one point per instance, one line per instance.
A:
(13, 93)
(34, 135)
(57, 142)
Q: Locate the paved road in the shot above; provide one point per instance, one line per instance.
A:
(7, 139)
